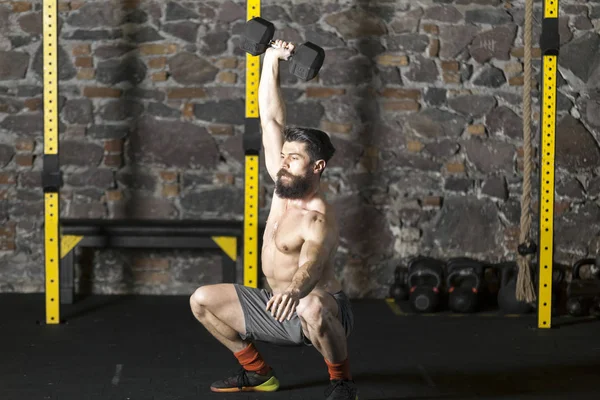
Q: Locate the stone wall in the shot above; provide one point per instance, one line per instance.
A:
(422, 99)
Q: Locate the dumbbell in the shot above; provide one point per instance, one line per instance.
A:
(305, 61)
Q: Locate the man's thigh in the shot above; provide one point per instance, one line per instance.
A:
(223, 302)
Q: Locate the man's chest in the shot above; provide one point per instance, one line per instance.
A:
(286, 231)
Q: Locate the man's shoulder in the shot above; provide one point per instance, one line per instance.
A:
(320, 218)
(315, 216)
(318, 210)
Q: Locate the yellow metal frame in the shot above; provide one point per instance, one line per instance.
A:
(251, 223)
(547, 179)
(228, 244)
(68, 243)
(51, 199)
(252, 165)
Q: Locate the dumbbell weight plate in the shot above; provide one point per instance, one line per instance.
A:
(258, 34)
(307, 60)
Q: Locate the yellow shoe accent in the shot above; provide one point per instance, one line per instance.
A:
(269, 386)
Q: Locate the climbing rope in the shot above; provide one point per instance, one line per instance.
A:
(525, 290)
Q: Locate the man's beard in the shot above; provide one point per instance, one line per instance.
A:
(296, 188)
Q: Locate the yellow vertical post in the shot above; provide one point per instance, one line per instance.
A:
(252, 149)
(549, 43)
(51, 172)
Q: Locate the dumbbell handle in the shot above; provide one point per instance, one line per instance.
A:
(272, 45)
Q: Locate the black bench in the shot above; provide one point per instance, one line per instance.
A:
(143, 234)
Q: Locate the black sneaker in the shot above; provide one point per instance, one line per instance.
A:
(341, 390)
(247, 381)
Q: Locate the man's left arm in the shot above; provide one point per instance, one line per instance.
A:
(312, 260)
(313, 257)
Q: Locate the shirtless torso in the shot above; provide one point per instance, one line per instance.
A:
(283, 240)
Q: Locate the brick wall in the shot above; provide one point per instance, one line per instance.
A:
(423, 101)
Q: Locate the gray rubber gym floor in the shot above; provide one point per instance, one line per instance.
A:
(145, 347)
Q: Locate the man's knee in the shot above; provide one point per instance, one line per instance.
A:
(199, 301)
(312, 311)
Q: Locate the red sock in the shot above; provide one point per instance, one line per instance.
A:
(339, 370)
(251, 360)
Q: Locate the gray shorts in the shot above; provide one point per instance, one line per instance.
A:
(262, 326)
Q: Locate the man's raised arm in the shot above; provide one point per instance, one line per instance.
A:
(271, 105)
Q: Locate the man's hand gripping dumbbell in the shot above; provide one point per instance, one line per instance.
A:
(280, 49)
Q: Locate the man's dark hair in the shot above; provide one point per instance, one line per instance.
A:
(318, 144)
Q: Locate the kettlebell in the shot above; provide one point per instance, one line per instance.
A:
(425, 278)
(507, 298)
(595, 307)
(464, 283)
(578, 306)
(398, 290)
(582, 293)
